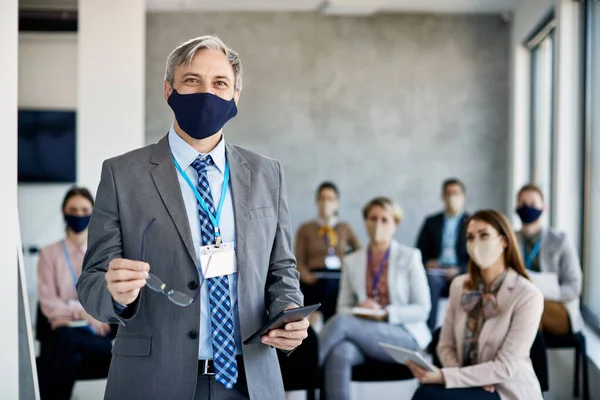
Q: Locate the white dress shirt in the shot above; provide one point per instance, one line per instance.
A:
(185, 156)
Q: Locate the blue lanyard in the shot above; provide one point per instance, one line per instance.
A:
(213, 218)
(531, 256)
(69, 264)
(377, 276)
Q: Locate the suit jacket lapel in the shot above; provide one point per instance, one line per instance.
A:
(545, 250)
(360, 274)
(166, 182)
(392, 288)
(460, 325)
(503, 298)
(241, 181)
(438, 229)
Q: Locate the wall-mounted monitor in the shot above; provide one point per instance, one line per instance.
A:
(47, 144)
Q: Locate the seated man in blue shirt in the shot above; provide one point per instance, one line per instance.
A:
(442, 244)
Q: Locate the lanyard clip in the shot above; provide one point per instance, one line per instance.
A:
(218, 241)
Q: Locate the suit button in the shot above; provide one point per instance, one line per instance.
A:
(193, 285)
(193, 335)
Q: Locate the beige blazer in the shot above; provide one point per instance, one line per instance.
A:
(410, 300)
(504, 342)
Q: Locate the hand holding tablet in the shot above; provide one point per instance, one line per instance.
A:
(402, 356)
(292, 315)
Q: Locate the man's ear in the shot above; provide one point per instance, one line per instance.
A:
(236, 96)
(167, 90)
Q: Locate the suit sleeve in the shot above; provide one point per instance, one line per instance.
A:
(104, 244)
(283, 287)
(569, 272)
(423, 240)
(514, 349)
(446, 348)
(420, 301)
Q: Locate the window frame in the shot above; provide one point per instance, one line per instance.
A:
(592, 26)
(545, 29)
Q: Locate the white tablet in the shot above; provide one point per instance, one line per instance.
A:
(402, 355)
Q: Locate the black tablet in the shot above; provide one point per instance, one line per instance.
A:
(283, 318)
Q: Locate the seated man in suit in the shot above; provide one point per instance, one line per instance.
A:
(547, 250)
(442, 244)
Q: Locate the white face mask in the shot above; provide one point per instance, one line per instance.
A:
(456, 203)
(328, 208)
(485, 253)
(379, 233)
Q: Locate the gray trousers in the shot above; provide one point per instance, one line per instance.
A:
(207, 388)
(346, 341)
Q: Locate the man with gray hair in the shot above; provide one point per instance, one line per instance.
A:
(189, 249)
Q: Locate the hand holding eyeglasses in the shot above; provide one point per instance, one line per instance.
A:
(125, 278)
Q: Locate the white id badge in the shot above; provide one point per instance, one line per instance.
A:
(333, 262)
(218, 261)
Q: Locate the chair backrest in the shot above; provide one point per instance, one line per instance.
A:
(537, 353)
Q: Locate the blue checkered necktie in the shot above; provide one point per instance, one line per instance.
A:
(221, 321)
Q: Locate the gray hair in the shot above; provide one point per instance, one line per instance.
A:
(186, 51)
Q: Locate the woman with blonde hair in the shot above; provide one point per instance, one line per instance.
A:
(384, 297)
(492, 319)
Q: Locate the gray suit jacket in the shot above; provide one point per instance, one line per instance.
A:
(559, 256)
(155, 355)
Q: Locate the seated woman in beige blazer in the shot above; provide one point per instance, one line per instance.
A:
(386, 277)
(491, 322)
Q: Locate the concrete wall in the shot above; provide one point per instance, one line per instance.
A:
(388, 105)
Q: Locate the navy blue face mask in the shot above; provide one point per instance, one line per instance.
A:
(529, 214)
(76, 223)
(201, 115)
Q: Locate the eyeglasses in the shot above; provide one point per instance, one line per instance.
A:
(156, 284)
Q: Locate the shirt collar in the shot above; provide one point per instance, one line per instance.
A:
(452, 217)
(186, 154)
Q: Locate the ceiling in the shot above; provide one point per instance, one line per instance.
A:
(329, 7)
